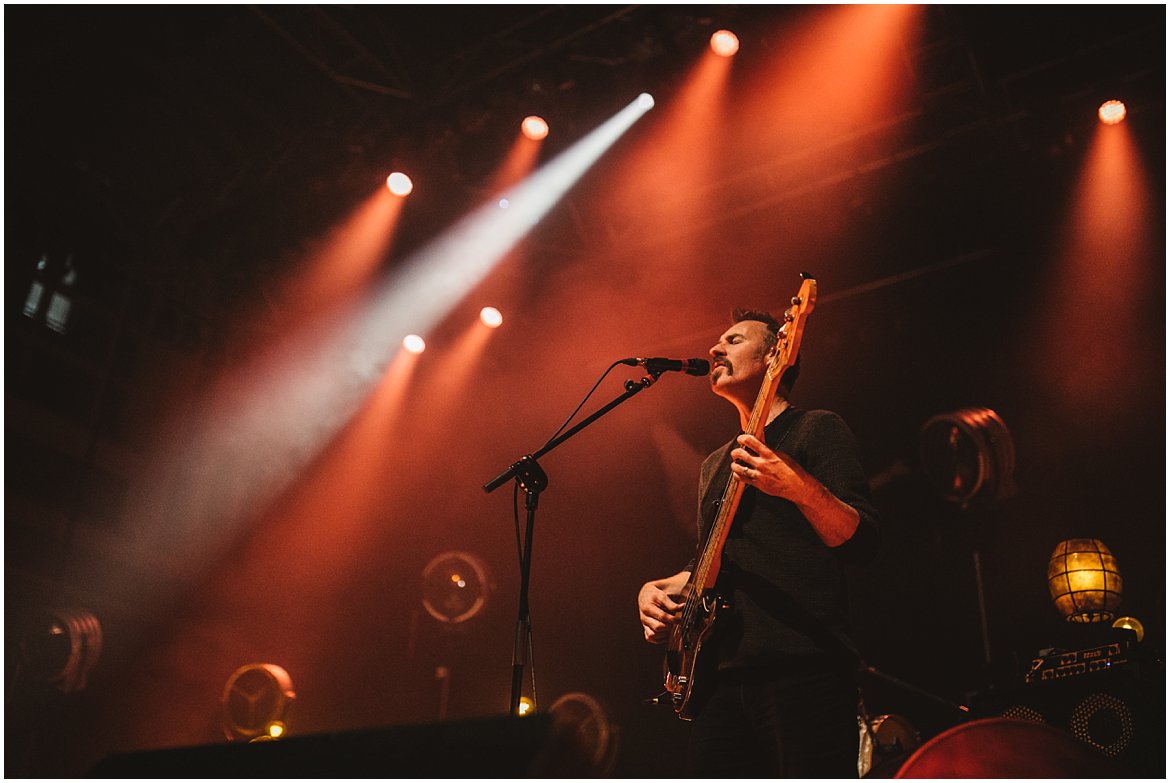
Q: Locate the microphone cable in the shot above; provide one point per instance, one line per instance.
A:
(581, 404)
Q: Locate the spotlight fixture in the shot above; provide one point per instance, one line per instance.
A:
(968, 453)
(456, 586)
(61, 647)
(1111, 112)
(534, 127)
(399, 184)
(491, 317)
(724, 43)
(256, 701)
(581, 717)
(414, 344)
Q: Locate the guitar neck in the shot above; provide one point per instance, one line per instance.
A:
(707, 569)
(788, 346)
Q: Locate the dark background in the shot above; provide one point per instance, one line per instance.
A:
(178, 158)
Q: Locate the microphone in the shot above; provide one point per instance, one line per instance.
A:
(657, 364)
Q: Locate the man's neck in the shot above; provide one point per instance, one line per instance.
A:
(779, 404)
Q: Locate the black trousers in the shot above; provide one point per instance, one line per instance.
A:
(786, 721)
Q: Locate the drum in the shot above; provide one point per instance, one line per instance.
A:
(885, 744)
(1006, 748)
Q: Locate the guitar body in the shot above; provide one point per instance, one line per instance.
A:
(687, 671)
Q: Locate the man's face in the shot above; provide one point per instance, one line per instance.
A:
(739, 359)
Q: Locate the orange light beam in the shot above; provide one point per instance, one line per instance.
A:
(839, 69)
(346, 259)
(672, 166)
(1094, 331)
(456, 367)
(518, 164)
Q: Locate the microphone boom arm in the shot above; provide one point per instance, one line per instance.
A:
(516, 470)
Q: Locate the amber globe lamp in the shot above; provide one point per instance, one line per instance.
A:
(1084, 581)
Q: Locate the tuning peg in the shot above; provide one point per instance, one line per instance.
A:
(795, 301)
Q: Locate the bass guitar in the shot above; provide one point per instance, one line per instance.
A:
(685, 680)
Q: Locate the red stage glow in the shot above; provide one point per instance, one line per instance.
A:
(399, 184)
(724, 43)
(534, 128)
(1111, 112)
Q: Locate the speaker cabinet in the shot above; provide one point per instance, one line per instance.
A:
(1118, 711)
(490, 747)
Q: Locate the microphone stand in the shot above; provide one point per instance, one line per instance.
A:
(532, 479)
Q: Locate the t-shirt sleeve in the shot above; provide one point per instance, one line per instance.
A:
(831, 455)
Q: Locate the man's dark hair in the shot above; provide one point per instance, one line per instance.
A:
(788, 379)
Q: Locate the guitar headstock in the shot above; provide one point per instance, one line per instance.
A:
(792, 329)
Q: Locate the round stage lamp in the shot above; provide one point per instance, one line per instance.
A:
(968, 454)
(534, 127)
(1111, 112)
(455, 587)
(414, 344)
(1084, 581)
(579, 718)
(399, 184)
(60, 647)
(256, 701)
(491, 316)
(724, 43)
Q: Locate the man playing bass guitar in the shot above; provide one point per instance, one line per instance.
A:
(778, 694)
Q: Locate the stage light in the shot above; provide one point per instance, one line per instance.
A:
(256, 702)
(414, 344)
(645, 101)
(61, 647)
(1111, 112)
(534, 127)
(504, 203)
(968, 453)
(724, 43)
(456, 587)
(399, 184)
(491, 317)
(580, 716)
(527, 707)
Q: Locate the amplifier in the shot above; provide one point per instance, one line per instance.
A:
(1055, 665)
(1111, 698)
